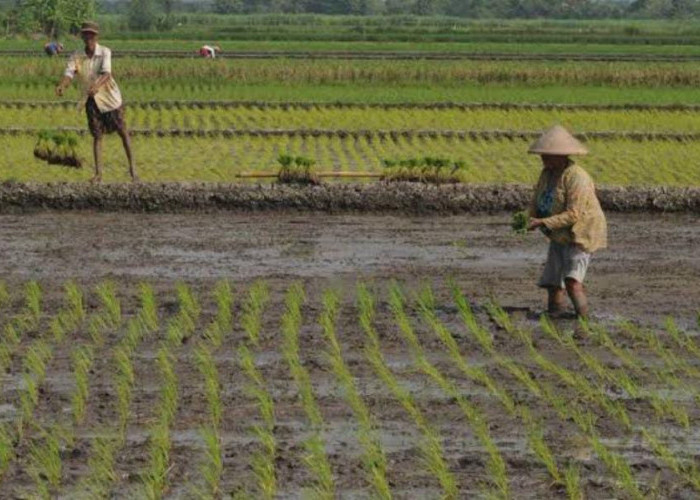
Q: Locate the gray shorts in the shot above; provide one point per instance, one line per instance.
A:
(564, 261)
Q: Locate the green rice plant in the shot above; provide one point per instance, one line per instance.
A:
(188, 301)
(296, 170)
(620, 468)
(113, 311)
(431, 443)
(374, 459)
(33, 296)
(212, 387)
(315, 458)
(573, 379)
(223, 322)
(168, 393)
(4, 294)
(101, 468)
(263, 461)
(76, 306)
(681, 338)
(653, 342)
(156, 474)
(212, 467)
(253, 307)
(83, 358)
(45, 463)
(573, 483)
(7, 447)
(37, 356)
(663, 406)
(688, 470)
(495, 464)
(149, 310)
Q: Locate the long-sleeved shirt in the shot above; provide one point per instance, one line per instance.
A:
(576, 215)
(89, 69)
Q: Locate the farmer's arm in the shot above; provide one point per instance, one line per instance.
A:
(577, 189)
(68, 75)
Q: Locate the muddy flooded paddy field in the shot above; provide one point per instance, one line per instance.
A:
(346, 356)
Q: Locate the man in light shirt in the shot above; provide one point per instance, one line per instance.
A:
(103, 100)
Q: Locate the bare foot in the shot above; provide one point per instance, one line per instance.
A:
(96, 179)
(135, 179)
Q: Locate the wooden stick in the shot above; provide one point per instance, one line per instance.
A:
(264, 175)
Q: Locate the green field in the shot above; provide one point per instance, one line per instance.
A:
(285, 105)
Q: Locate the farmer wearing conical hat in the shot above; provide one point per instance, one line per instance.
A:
(103, 100)
(566, 209)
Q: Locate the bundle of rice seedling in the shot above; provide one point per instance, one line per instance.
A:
(296, 170)
(428, 170)
(520, 222)
(58, 148)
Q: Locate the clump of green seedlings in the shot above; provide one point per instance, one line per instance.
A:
(297, 170)
(83, 358)
(520, 222)
(374, 459)
(183, 325)
(45, 463)
(101, 466)
(58, 147)
(223, 322)
(253, 307)
(431, 443)
(427, 169)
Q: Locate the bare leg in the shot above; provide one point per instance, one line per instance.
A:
(97, 151)
(126, 142)
(556, 300)
(578, 297)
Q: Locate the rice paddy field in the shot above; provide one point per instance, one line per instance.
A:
(309, 355)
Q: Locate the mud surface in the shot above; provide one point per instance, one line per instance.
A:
(650, 271)
(380, 197)
(651, 268)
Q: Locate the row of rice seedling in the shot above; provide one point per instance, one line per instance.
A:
(211, 467)
(181, 327)
(495, 465)
(263, 459)
(615, 462)
(374, 459)
(534, 429)
(17, 325)
(431, 441)
(663, 406)
(618, 162)
(42, 460)
(245, 108)
(320, 72)
(109, 439)
(359, 119)
(316, 458)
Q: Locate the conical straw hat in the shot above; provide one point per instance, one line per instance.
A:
(558, 141)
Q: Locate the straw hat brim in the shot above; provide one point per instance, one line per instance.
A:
(558, 141)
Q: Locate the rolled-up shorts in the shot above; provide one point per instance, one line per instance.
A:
(564, 261)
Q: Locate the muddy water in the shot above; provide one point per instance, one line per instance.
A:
(652, 267)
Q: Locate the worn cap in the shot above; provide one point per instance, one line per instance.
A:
(90, 27)
(558, 141)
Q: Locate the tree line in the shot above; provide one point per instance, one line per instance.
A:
(57, 17)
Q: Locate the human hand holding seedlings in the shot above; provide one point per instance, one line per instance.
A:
(62, 85)
(534, 224)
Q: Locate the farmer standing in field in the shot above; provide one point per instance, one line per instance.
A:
(566, 209)
(103, 100)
